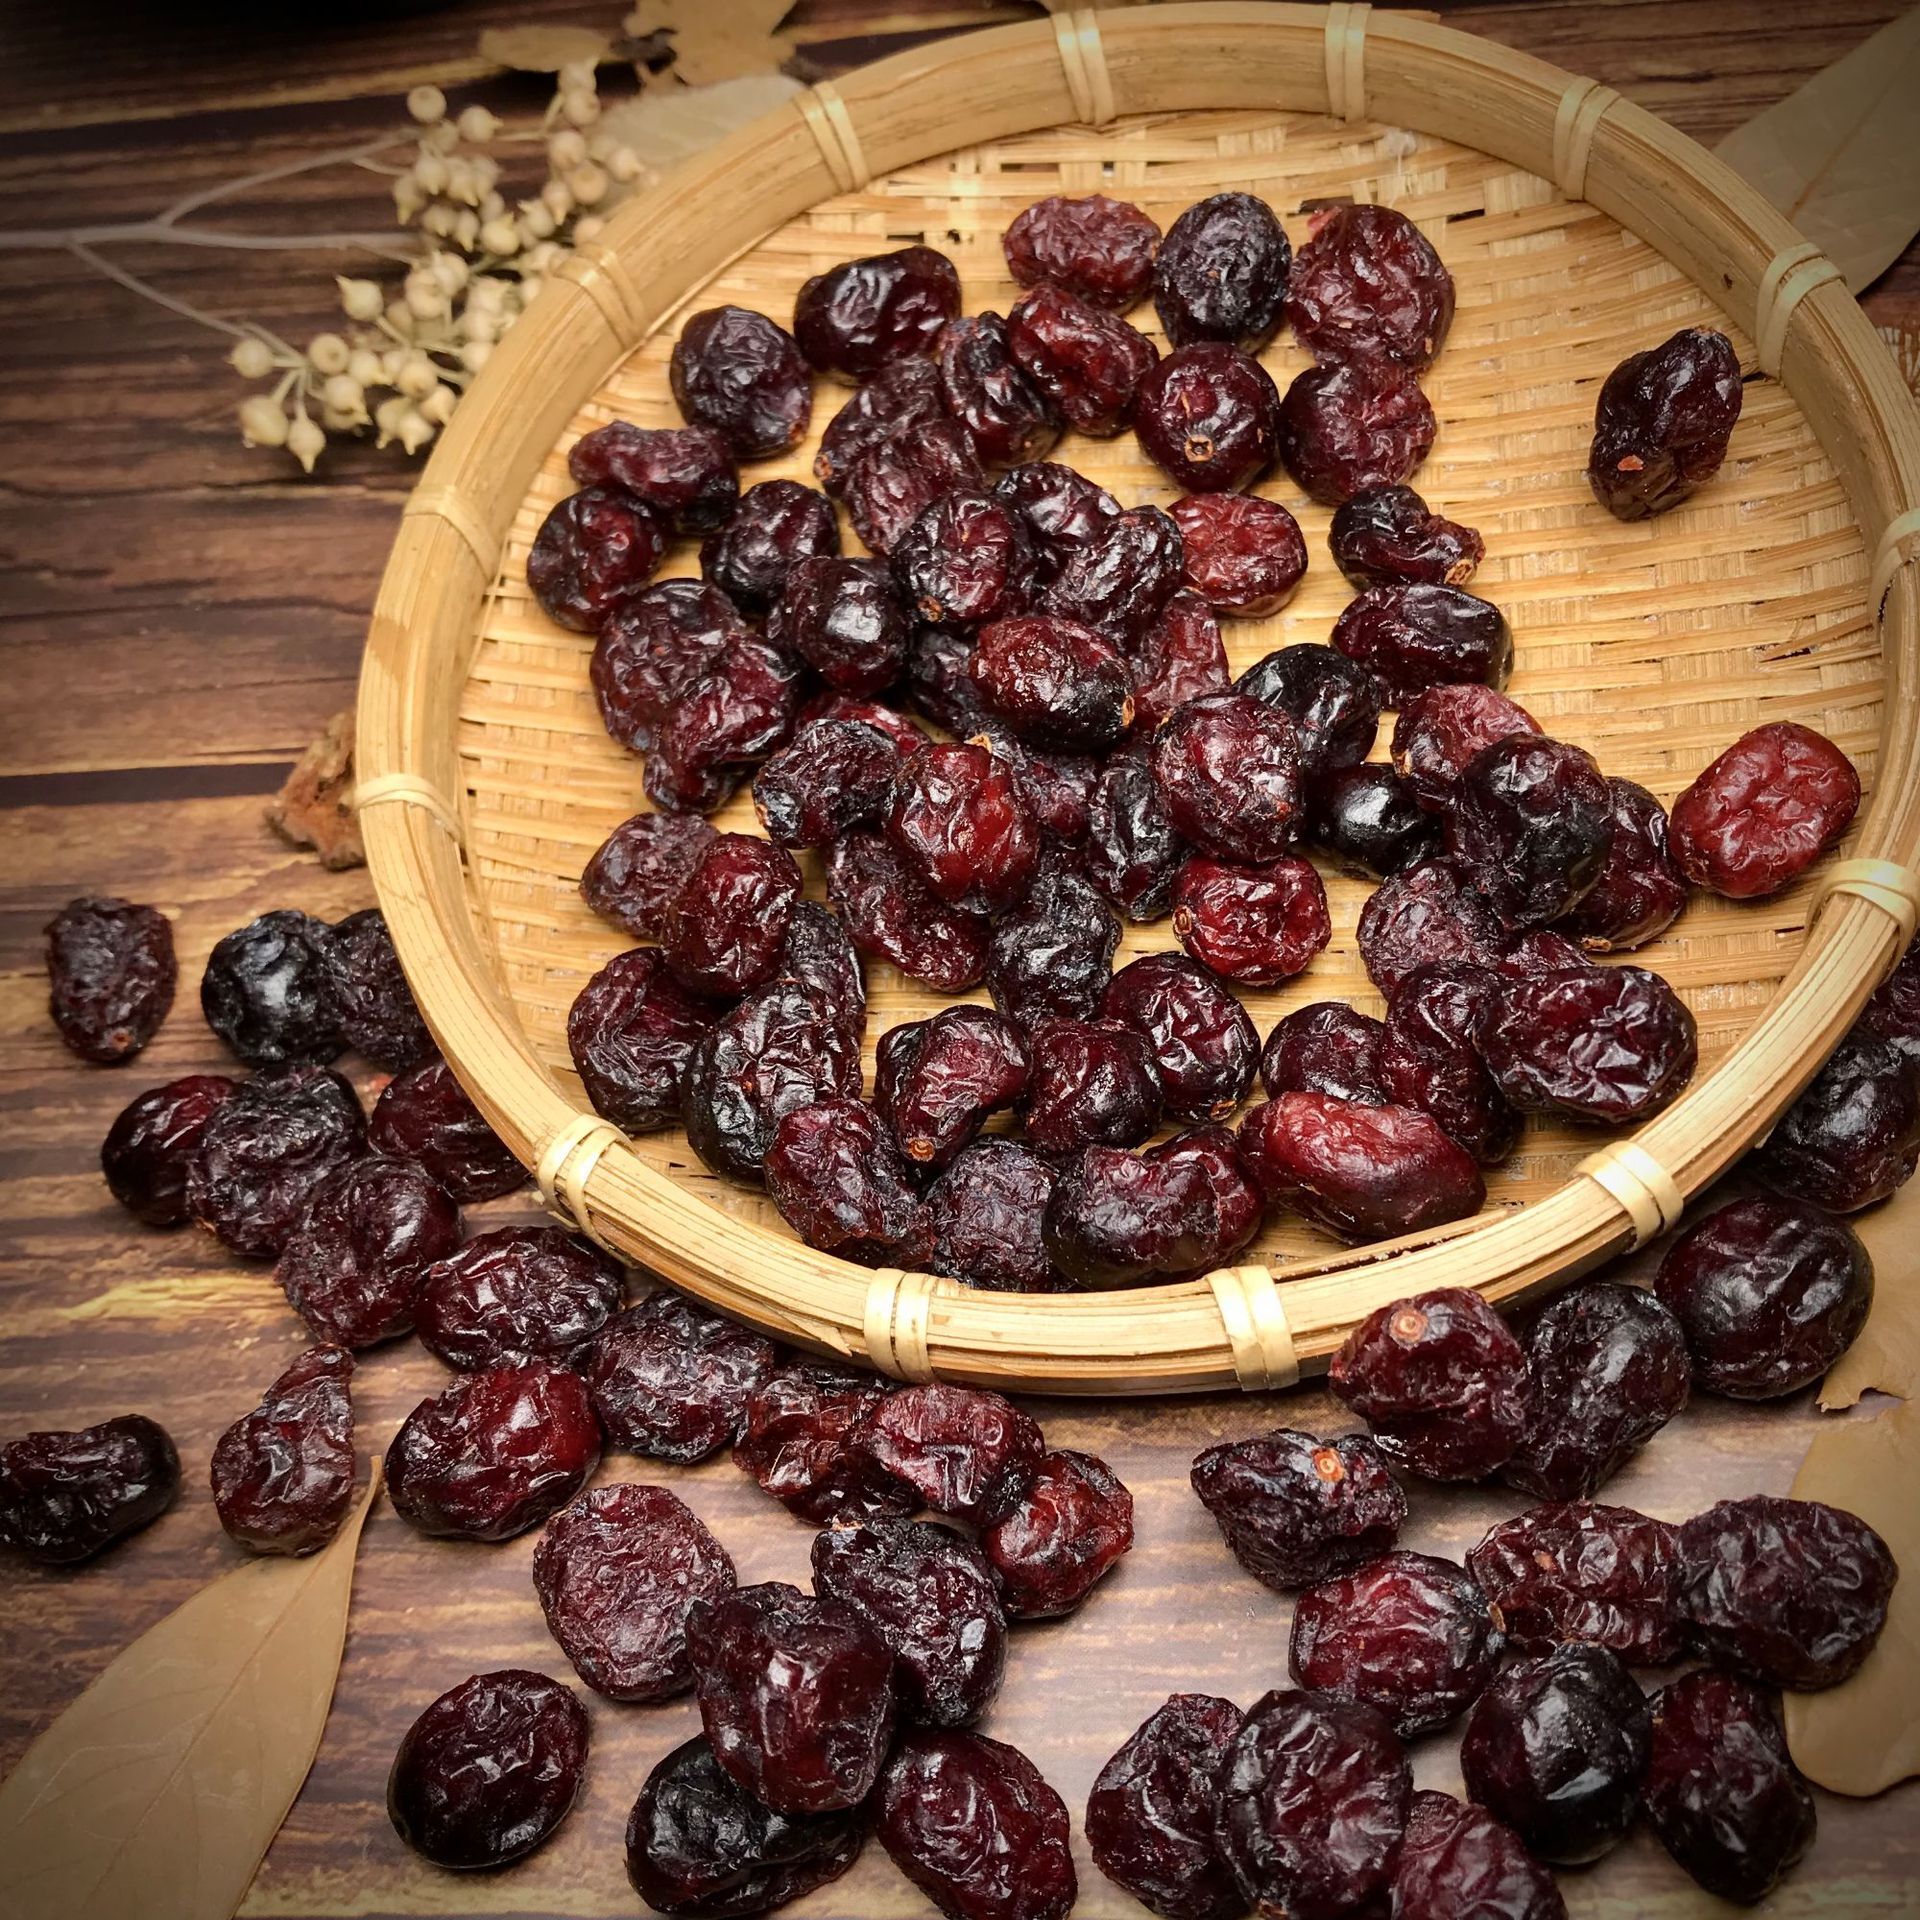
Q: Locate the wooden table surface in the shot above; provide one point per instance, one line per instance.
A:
(180, 618)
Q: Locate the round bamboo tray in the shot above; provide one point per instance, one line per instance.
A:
(1579, 229)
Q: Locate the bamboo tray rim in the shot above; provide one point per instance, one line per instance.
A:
(1252, 1326)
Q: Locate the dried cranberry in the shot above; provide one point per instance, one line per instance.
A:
(1334, 705)
(1121, 580)
(516, 1293)
(1092, 1083)
(1368, 819)
(1460, 1860)
(1407, 1633)
(1228, 770)
(150, 1148)
(593, 556)
(426, 1115)
(1207, 415)
(1327, 1047)
(1222, 272)
(616, 1573)
(1761, 814)
(1596, 1045)
(1061, 509)
(1531, 951)
(1098, 248)
(861, 314)
(736, 372)
(1361, 1172)
(672, 1381)
(1369, 286)
(489, 1770)
(895, 479)
(269, 992)
(1662, 423)
(799, 1444)
(1180, 659)
(939, 681)
(967, 1453)
(973, 1825)
(723, 937)
(353, 1268)
(377, 1009)
(1063, 1533)
(1853, 1135)
(1430, 1059)
(283, 1474)
(985, 1214)
(1203, 1043)
(737, 714)
(1296, 1510)
(1792, 1593)
(1244, 556)
(1640, 891)
(832, 776)
(685, 473)
(1258, 925)
(963, 559)
(111, 974)
(1423, 917)
(1389, 534)
(961, 825)
(843, 619)
(1134, 852)
(937, 1080)
(1313, 1797)
(777, 525)
(1893, 1014)
(1442, 728)
(931, 1596)
(843, 1186)
(820, 954)
(1415, 636)
(985, 388)
(1353, 428)
(1532, 820)
(1055, 681)
(65, 1496)
(494, 1454)
(891, 916)
(901, 728)
(266, 1151)
(1606, 1370)
(1052, 957)
(1555, 1748)
(631, 1031)
(1440, 1381)
(654, 651)
(903, 393)
(1720, 1790)
(1087, 361)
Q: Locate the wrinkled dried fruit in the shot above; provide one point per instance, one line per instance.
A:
(968, 1453)
(685, 473)
(843, 1186)
(963, 559)
(65, 1496)
(425, 1115)
(150, 1148)
(985, 389)
(1369, 286)
(654, 651)
(1353, 428)
(1204, 1045)
(1087, 361)
(1458, 1860)
(832, 776)
(1258, 925)
(724, 930)
(639, 868)
(268, 992)
(672, 1381)
(1061, 509)
(1098, 248)
(891, 916)
(1764, 811)
(1640, 892)
(1532, 820)
(903, 393)
(377, 1010)
(283, 1474)
(1430, 1059)
(1120, 582)
(1390, 534)
(1853, 1135)
(1327, 1047)
(517, 1293)
(1222, 272)
(738, 713)
(1368, 818)
(937, 1080)
(985, 1213)
(1228, 770)
(111, 974)
(1052, 956)
(799, 1444)
(861, 314)
(1244, 556)
(777, 525)
(1415, 636)
(631, 1031)
(1055, 681)
(593, 556)
(895, 479)
(738, 373)
(1334, 704)
(1893, 1014)
(819, 953)
(1662, 423)
(1134, 851)
(961, 825)
(1424, 917)
(1208, 416)
(1091, 1083)
(1061, 1535)
(1180, 659)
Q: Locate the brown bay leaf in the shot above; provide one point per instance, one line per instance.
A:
(1886, 1356)
(158, 1792)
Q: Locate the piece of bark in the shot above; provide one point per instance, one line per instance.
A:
(315, 807)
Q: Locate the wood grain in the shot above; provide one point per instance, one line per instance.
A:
(216, 609)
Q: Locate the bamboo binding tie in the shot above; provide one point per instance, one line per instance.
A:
(599, 271)
(452, 509)
(832, 128)
(1794, 273)
(1582, 107)
(408, 790)
(1256, 1326)
(1888, 558)
(561, 1176)
(1083, 59)
(899, 1306)
(1347, 59)
(1648, 1193)
(1885, 884)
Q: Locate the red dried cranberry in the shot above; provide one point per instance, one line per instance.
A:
(1662, 423)
(843, 619)
(1057, 788)
(1098, 248)
(973, 1825)
(777, 525)
(111, 974)
(1243, 556)
(1228, 770)
(65, 1496)
(963, 559)
(1180, 659)
(266, 1151)
(489, 1770)
(1053, 955)
(723, 933)
(517, 1293)
(1334, 705)
(1440, 1381)
(895, 479)
(1537, 950)
(495, 1454)
(1764, 812)
(1258, 925)
(1442, 728)
(796, 1695)
(631, 1031)
(377, 1009)
(1092, 1083)
(1416, 636)
(735, 371)
(593, 556)
(1720, 1790)
(1361, 1172)
(959, 822)
(1853, 1135)
(937, 1080)
(799, 1444)
(1134, 852)
(1458, 1859)
(1222, 272)
(353, 1268)
(1792, 1593)
(984, 387)
(1423, 917)
(1121, 580)
(283, 1474)
(985, 1214)
(1061, 509)
(1600, 1045)
(1203, 1043)
(1606, 1370)
(1055, 681)
(685, 473)
(1207, 415)
(903, 393)
(1328, 1047)
(1313, 1801)
(1407, 1633)
(1369, 286)
(939, 681)
(967, 1453)
(906, 735)
(1353, 428)
(268, 991)
(859, 315)
(672, 1381)
(891, 916)
(1893, 1014)
(1430, 1059)
(1532, 820)
(832, 776)
(1063, 1533)
(843, 1186)
(616, 1573)
(1296, 1510)
(426, 1115)
(150, 1148)
(1369, 820)
(656, 650)
(1389, 534)
(1555, 1748)
(1640, 892)
(1087, 361)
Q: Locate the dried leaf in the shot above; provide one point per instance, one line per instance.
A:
(159, 1790)
(666, 125)
(542, 49)
(1886, 1357)
(716, 40)
(1838, 156)
(315, 806)
(1862, 1736)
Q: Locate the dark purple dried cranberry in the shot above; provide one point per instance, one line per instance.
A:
(1222, 273)
(685, 473)
(844, 620)
(149, 1150)
(961, 825)
(1134, 852)
(1055, 681)
(65, 1496)
(936, 1081)
(377, 1009)
(1087, 361)
(843, 1186)
(861, 314)
(1662, 423)
(269, 992)
(1362, 1172)
(903, 393)
(895, 479)
(1532, 820)
(616, 1573)
(1423, 917)
(1063, 1533)
(1208, 416)
(1203, 1043)
(1180, 659)
(929, 1594)
(1098, 248)
(1368, 819)
(517, 1293)
(1389, 534)
(488, 1771)
(1440, 1381)
(1057, 787)
(1228, 770)
(1442, 729)
(593, 556)
(1853, 1135)
(819, 953)
(1416, 636)
(672, 1381)
(283, 1474)
(892, 917)
(1243, 556)
(966, 1452)
(110, 974)
(1327, 1047)
(353, 1268)
(832, 776)
(1121, 581)
(1458, 1859)
(799, 1444)
(735, 371)
(1334, 704)
(631, 1031)
(1430, 1059)
(1555, 1748)
(1606, 1370)
(1369, 286)
(1538, 950)
(1258, 925)
(652, 653)
(964, 558)
(426, 1115)
(1092, 1083)
(1640, 891)
(985, 388)
(266, 1151)
(1061, 509)
(985, 1215)
(901, 728)
(777, 525)
(939, 681)
(1353, 428)
(725, 927)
